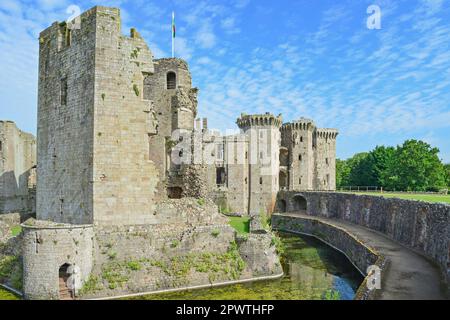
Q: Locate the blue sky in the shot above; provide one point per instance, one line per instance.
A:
(310, 58)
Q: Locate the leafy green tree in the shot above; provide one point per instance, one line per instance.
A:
(361, 173)
(382, 159)
(342, 173)
(447, 169)
(416, 167)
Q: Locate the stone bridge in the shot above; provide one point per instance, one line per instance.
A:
(407, 240)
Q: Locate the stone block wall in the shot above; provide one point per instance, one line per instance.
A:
(17, 163)
(65, 121)
(46, 247)
(422, 226)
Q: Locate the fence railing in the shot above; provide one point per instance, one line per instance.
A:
(381, 190)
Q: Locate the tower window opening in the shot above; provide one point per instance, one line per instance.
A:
(64, 91)
(326, 160)
(260, 180)
(301, 139)
(220, 176)
(171, 80)
(1, 145)
(299, 157)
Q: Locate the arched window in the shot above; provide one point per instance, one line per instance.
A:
(171, 80)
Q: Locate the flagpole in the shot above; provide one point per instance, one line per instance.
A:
(173, 36)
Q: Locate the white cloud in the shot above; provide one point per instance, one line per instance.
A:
(205, 37)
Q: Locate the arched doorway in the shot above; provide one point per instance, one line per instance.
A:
(281, 205)
(300, 204)
(65, 293)
(282, 180)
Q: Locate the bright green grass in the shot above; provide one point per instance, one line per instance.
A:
(16, 230)
(411, 196)
(6, 295)
(241, 224)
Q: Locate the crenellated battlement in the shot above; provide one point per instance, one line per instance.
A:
(326, 133)
(300, 124)
(267, 119)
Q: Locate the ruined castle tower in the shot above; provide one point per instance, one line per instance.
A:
(324, 145)
(263, 133)
(297, 138)
(175, 108)
(94, 123)
(17, 169)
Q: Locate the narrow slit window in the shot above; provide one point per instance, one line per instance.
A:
(64, 91)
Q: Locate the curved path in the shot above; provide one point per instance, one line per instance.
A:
(409, 275)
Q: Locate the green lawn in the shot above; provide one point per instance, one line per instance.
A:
(241, 224)
(410, 196)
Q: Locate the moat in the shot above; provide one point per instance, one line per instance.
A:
(313, 271)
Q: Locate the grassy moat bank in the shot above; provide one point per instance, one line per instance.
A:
(313, 271)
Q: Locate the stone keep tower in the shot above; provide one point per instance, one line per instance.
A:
(94, 124)
(324, 144)
(263, 132)
(297, 139)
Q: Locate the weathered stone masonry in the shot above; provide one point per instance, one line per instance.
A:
(422, 226)
(106, 111)
(17, 169)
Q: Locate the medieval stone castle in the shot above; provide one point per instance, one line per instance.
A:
(122, 154)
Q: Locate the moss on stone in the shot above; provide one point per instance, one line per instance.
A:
(136, 90)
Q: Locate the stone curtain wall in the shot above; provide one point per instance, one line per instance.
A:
(421, 226)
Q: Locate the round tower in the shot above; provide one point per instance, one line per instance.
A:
(263, 132)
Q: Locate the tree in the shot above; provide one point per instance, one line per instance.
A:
(342, 173)
(361, 170)
(416, 167)
(382, 158)
(447, 171)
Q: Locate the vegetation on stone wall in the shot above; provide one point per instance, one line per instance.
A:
(240, 224)
(412, 166)
(11, 271)
(116, 274)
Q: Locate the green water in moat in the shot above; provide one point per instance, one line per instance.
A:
(312, 270)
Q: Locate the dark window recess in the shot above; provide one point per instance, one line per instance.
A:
(300, 157)
(64, 91)
(220, 176)
(171, 80)
(301, 139)
(260, 180)
(1, 146)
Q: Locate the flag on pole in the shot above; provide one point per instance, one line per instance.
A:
(173, 34)
(173, 24)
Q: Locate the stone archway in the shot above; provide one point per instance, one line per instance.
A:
(281, 205)
(283, 180)
(299, 204)
(65, 293)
